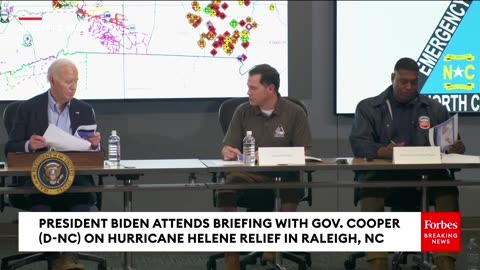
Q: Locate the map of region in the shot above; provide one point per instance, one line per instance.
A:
(142, 49)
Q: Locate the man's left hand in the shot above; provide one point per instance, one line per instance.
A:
(457, 148)
(94, 140)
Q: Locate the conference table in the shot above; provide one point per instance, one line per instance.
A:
(351, 164)
(129, 174)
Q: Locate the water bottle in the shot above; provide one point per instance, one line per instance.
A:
(249, 149)
(114, 149)
(473, 255)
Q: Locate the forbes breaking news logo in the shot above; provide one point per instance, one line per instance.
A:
(441, 231)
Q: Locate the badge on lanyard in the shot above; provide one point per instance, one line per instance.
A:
(279, 132)
(424, 122)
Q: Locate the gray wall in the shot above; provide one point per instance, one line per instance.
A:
(189, 128)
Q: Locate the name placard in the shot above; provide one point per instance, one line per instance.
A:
(416, 155)
(268, 156)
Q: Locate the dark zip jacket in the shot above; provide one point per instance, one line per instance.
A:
(373, 126)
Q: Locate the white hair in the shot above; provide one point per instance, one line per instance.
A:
(53, 69)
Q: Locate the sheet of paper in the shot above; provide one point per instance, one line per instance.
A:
(312, 159)
(62, 141)
(85, 131)
(458, 158)
(228, 163)
(444, 134)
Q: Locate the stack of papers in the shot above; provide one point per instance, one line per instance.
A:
(60, 140)
(458, 158)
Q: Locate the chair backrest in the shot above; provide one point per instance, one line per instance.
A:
(299, 103)
(226, 110)
(228, 107)
(9, 114)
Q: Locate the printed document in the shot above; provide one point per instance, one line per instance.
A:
(458, 158)
(444, 134)
(85, 131)
(60, 140)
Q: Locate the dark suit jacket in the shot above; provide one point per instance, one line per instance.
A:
(32, 118)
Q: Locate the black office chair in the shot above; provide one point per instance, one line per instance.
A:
(398, 258)
(257, 200)
(18, 201)
(396, 204)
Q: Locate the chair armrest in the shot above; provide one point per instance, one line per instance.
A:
(2, 196)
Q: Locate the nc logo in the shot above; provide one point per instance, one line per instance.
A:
(467, 72)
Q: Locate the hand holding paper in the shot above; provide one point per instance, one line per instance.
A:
(85, 131)
(62, 141)
(457, 148)
(88, 132)
(36, 142)
(94, 140)
(444, 134)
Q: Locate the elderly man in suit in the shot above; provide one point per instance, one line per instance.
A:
(56, 106)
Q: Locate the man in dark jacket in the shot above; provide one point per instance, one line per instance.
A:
(400, 116)
(58, 107)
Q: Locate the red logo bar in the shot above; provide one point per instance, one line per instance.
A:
(30, 18)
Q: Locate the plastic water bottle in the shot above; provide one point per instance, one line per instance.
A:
(473, 255)
(114, 149)
(249, 149)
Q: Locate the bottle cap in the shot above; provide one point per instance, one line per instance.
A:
(249, 133)
(114, 132)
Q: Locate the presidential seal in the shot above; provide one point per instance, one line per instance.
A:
(52, 173)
